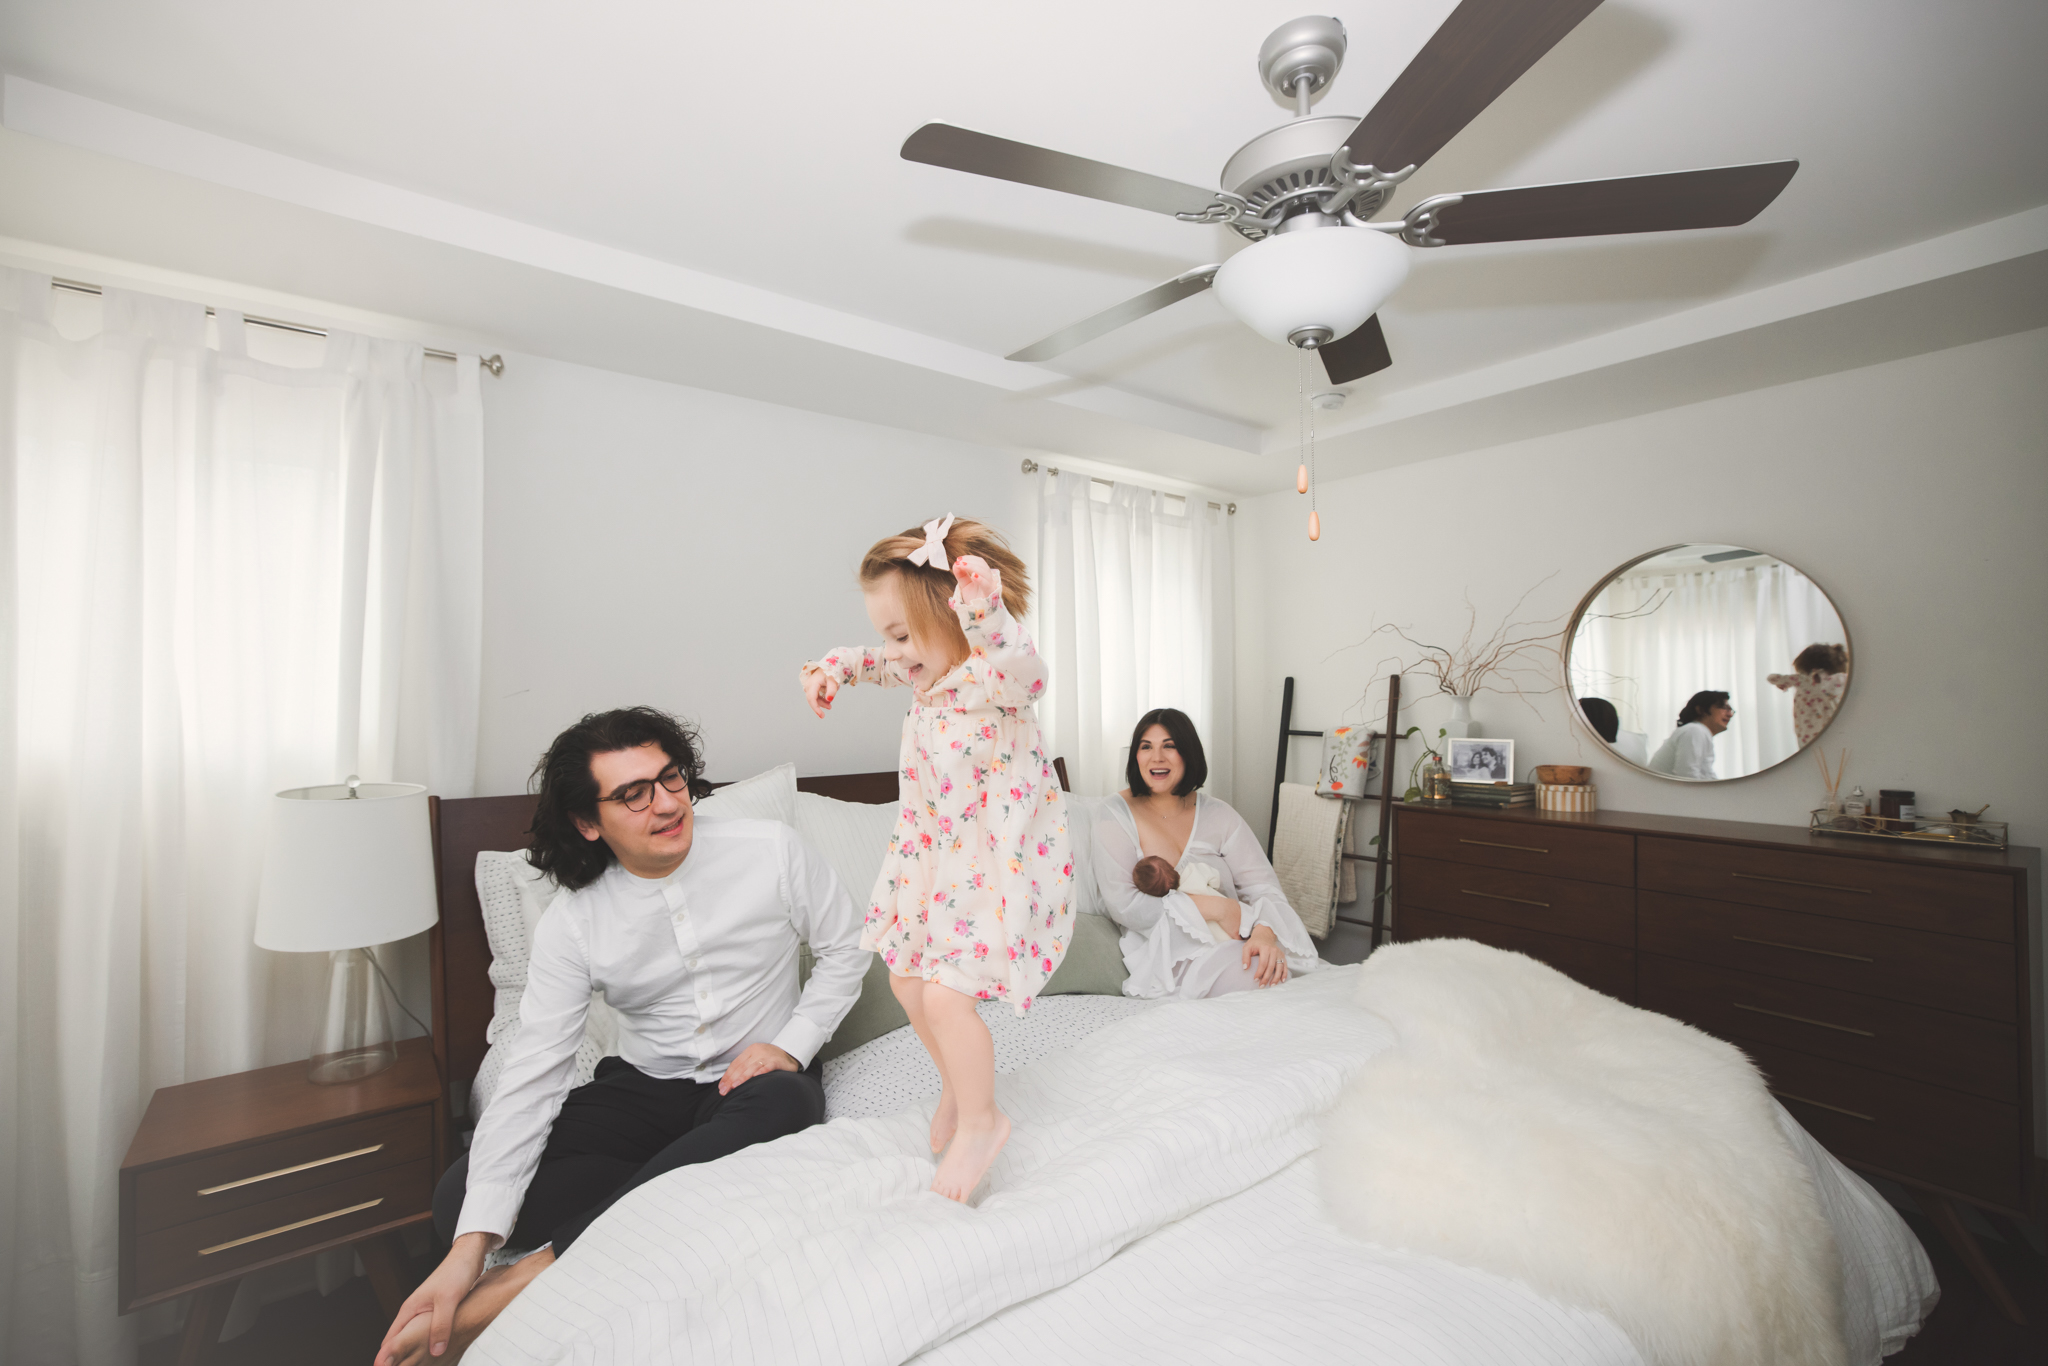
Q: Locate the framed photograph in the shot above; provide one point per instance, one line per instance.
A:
(1481, 761)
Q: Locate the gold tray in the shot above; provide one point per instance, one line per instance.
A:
(1976, 834)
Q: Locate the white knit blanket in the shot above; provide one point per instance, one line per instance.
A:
(1609, 1157)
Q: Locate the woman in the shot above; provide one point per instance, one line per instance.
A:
(1689, 751)
(1166, 941)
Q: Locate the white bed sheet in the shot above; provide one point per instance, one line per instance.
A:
(1254, 1272)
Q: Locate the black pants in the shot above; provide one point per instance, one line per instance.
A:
(626, 1128)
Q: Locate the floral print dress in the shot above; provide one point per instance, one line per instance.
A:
(976, 892)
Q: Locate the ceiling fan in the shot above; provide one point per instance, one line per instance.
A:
(1305, 193)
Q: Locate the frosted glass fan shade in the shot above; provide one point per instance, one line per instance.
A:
(343, 872)
(1320, 277)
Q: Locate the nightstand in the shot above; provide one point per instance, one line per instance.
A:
(236, 1173)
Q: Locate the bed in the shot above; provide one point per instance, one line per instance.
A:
(1160, 1199)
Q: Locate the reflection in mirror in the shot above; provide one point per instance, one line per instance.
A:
(1705, 662)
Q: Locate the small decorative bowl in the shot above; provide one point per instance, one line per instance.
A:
(1564, 775)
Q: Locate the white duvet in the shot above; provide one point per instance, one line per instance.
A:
(1153, 1202)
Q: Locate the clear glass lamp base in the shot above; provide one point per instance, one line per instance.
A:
(356, 1037)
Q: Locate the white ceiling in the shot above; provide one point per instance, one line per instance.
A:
(758, 145)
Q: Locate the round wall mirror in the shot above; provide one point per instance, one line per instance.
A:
(1707, 662)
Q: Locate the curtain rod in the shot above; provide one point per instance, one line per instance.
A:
(494, 363)
(1033, 467)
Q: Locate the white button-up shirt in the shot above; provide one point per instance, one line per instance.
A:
(698, 965)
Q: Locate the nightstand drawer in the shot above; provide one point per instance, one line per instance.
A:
(1582, 910)
(1944, 971)
(1936, 1046)
(223, 1182)
(1602, 967)
(1524, 846)
(223, 1244)
(1940, 900)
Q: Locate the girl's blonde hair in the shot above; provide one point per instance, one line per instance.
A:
(926, 590)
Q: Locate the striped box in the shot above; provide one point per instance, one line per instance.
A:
(1566, 797)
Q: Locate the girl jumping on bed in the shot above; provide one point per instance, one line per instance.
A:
(974, 901)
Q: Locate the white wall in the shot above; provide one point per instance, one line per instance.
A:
(650, 543)
(1914, 492)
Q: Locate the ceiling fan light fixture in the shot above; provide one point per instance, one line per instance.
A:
(1322, 284)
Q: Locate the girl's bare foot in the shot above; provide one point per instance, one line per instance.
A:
(974, 1147)
(945, 1120)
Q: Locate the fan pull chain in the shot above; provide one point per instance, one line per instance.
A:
(1305, 428)
(1315, 518)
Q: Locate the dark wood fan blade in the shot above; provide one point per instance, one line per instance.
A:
(1355, 356)
(1130, 310)
(1719, 198)
(961, 149)
(1476, 54)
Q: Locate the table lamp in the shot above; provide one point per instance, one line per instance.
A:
(347, 866)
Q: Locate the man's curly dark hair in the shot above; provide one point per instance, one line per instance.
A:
(567, 789)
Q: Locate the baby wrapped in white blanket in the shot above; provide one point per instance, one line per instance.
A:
(1154, 876)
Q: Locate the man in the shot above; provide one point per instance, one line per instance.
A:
(691, 931)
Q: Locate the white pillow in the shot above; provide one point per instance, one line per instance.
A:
(1081, 840)
(853, 837)
(769, 796)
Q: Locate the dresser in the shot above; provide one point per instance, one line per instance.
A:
(245, 1171)
(1891, 993)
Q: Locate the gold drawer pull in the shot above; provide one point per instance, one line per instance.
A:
(287, 1228)
(287, 1171)
(1521, 848)
(1795, 882)
(1801, 948)
(1495, 896)
(1822, 1024)
(1853, 1114)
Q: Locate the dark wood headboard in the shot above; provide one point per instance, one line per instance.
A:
(460, 966)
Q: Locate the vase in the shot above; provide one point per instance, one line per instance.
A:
(1460, 725)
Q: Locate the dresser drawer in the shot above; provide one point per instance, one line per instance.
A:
(1581, 910)
(1521, 846)
(1602, 967)
(221, 1244)
(1944, 900)
(1908, 1128)
(1943, 971)
(1936, 1046)
(221, 1182)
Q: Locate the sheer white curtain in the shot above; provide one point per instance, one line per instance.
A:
(1133, 612)
(1652, 640)
(226, 577)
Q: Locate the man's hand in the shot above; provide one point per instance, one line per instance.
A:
(819, 690)
(758, 1058)
(438, 1295)
(1264, 945)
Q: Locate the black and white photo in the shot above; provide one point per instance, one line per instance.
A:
(1482, 761)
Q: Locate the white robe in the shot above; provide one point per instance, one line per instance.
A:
(1166, 942)
(1688, 753)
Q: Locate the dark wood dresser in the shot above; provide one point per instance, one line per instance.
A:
(1891, 993)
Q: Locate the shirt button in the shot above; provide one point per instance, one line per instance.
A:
(702, 1027)
(696, 963)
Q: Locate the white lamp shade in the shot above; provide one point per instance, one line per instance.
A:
(1320, 277)
(343, 872)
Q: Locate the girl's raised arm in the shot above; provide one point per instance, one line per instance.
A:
(997, 645)
(850, 664)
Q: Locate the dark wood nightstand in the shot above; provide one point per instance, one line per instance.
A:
(229, 1175)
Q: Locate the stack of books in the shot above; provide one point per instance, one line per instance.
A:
(1495, 795)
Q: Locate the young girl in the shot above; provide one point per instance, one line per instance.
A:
(1817, 688)
(974, 899)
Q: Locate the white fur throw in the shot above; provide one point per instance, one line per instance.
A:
(1606, 1156)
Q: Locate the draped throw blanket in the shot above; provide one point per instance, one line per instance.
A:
(1607, 1156)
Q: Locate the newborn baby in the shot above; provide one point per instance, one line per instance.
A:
(1154, 876)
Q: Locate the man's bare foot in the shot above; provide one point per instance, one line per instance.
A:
(478, 1310)
(945, 1120)
(974, 1148)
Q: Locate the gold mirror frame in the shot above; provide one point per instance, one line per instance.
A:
(1571, 637)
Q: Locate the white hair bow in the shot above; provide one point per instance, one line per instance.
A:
(933, 551)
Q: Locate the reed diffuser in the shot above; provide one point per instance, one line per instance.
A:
(1834, 782)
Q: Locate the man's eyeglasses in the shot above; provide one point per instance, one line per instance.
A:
(639, 796)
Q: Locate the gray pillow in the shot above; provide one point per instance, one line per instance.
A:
(1094, 966)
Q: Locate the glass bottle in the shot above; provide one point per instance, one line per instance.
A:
(1436, 781)
(1858, 804)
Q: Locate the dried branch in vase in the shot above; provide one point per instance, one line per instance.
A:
(1514, 657)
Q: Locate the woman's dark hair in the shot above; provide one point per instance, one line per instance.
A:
(1602, 717)
(1827, 659)
(1701, 703)
(1182, 732)
(567, 790)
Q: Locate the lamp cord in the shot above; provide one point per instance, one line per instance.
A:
(378, 968)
